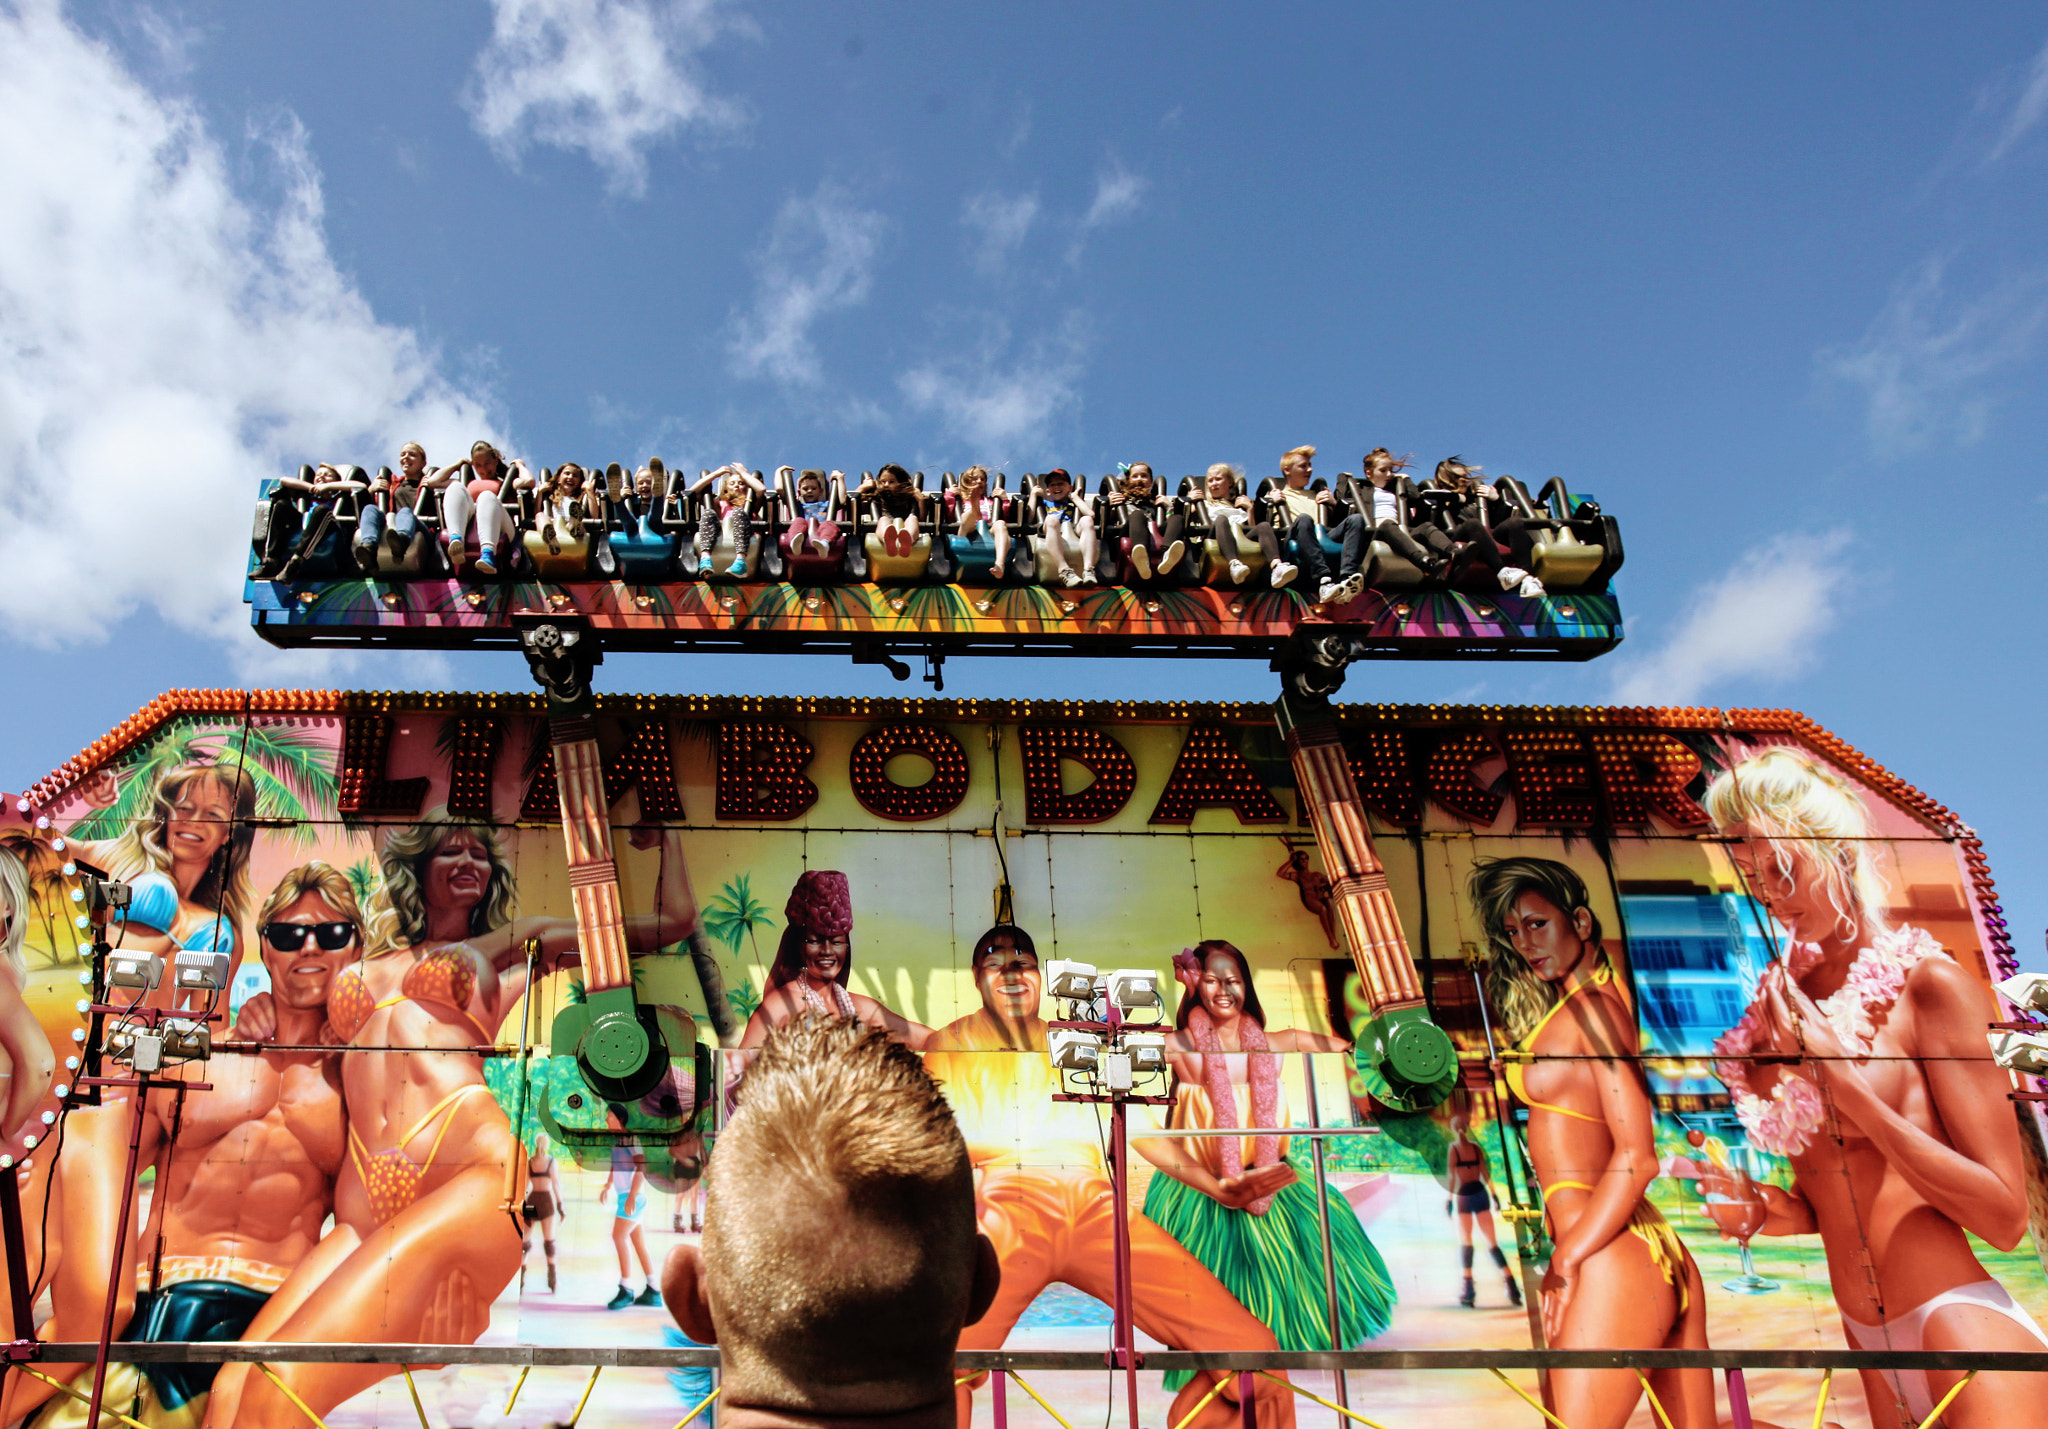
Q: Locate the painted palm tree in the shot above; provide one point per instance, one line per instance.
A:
(292, 771)
(736, 913)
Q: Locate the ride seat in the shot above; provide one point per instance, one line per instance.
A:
(723, 553)
(1214, 564)
(883, 568)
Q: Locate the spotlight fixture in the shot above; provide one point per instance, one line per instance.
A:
(142, 971)
(1069, 980)
(1133, 989)
(2027, 990)
(202, 972)
(1073, 1050)
(2020, 1052)
(1148, 1051)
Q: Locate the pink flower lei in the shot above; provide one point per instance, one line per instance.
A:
(1784, 1122)
(1265, 1078)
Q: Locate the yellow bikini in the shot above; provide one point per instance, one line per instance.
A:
(1647, 1223)
(391, 1178)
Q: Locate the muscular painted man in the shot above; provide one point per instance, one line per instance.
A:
(246, 1170)
(1044, 1197)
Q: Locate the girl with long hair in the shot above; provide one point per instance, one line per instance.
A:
(813, 963)
(1892, 1113)
(1237, 1204)
(1619, 1276)
(426, 1231)
(186, 861)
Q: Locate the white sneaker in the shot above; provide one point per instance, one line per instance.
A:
(1142, 559)
(1170, 557)
(1531, 588)
(1238, 572)
(1069, 576)
(1283, 573)
(1512, 576)
(1327, 592)
(1351, 587)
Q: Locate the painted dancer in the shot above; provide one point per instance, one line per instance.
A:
(245, 1174)
(1472, 1197)
(1237, 1203)
(1045, 1199)
(1619, 1276)
(1895, 1118)
(421, 1229)
(814, 961)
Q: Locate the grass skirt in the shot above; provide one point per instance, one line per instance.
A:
(1273, 1264)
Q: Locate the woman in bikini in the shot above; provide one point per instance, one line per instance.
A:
(1237, 1204)
(1894, 1117)
(186, 862)
(1619, 1276)
(426, 1227)
(813, 962)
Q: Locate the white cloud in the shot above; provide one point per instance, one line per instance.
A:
(819, 259)
(609, 77)
(2026, 111)
(1762, 621)
(164, 343)
(1000, 224)
(1924, 363)
(1002, 403)
(1118, 192)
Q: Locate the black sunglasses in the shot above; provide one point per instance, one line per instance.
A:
(290, 937)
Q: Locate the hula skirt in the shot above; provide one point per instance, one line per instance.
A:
(1273, 1264)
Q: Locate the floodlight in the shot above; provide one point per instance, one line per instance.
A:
(1073, 1050)
(1135, 988)
(1070, 980)
(1116, 1071)
(203, 972)
(1148, 1051)
(2028, 990)
(2020, 1052)
(137, 970)
(186, 1039)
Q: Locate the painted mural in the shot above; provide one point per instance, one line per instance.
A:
(1717, 983)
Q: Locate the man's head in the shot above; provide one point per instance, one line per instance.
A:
(1006, 972)
(311, 928)
(1297, 466)
(840, 1258)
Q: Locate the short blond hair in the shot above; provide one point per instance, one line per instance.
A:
(335, 890)
(839, 1234)
(1295, 456)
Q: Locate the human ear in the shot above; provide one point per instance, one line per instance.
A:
(682, 1290)
(1582, 922)
(988, 1278)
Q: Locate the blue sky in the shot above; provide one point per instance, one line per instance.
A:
(1770, 280)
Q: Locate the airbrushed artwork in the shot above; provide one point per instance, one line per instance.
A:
(1717, 987)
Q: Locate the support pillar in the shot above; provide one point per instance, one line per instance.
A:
(1405, 1058)
(617, 1044)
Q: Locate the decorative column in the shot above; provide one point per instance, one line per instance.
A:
(1406, 1059)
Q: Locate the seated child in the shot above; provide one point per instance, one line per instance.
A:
(733, 486)
(896, 509)
(1066, 519)
(974, 509)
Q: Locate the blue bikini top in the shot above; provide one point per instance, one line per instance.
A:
(153, 902)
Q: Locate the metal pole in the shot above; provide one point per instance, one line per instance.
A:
(1315, 1121)
(21, 1292)
(1126, 1350)
(99, 1364)
(1002, 1401)
(1738, 1400)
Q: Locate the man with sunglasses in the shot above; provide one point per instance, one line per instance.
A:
(245, 1171)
